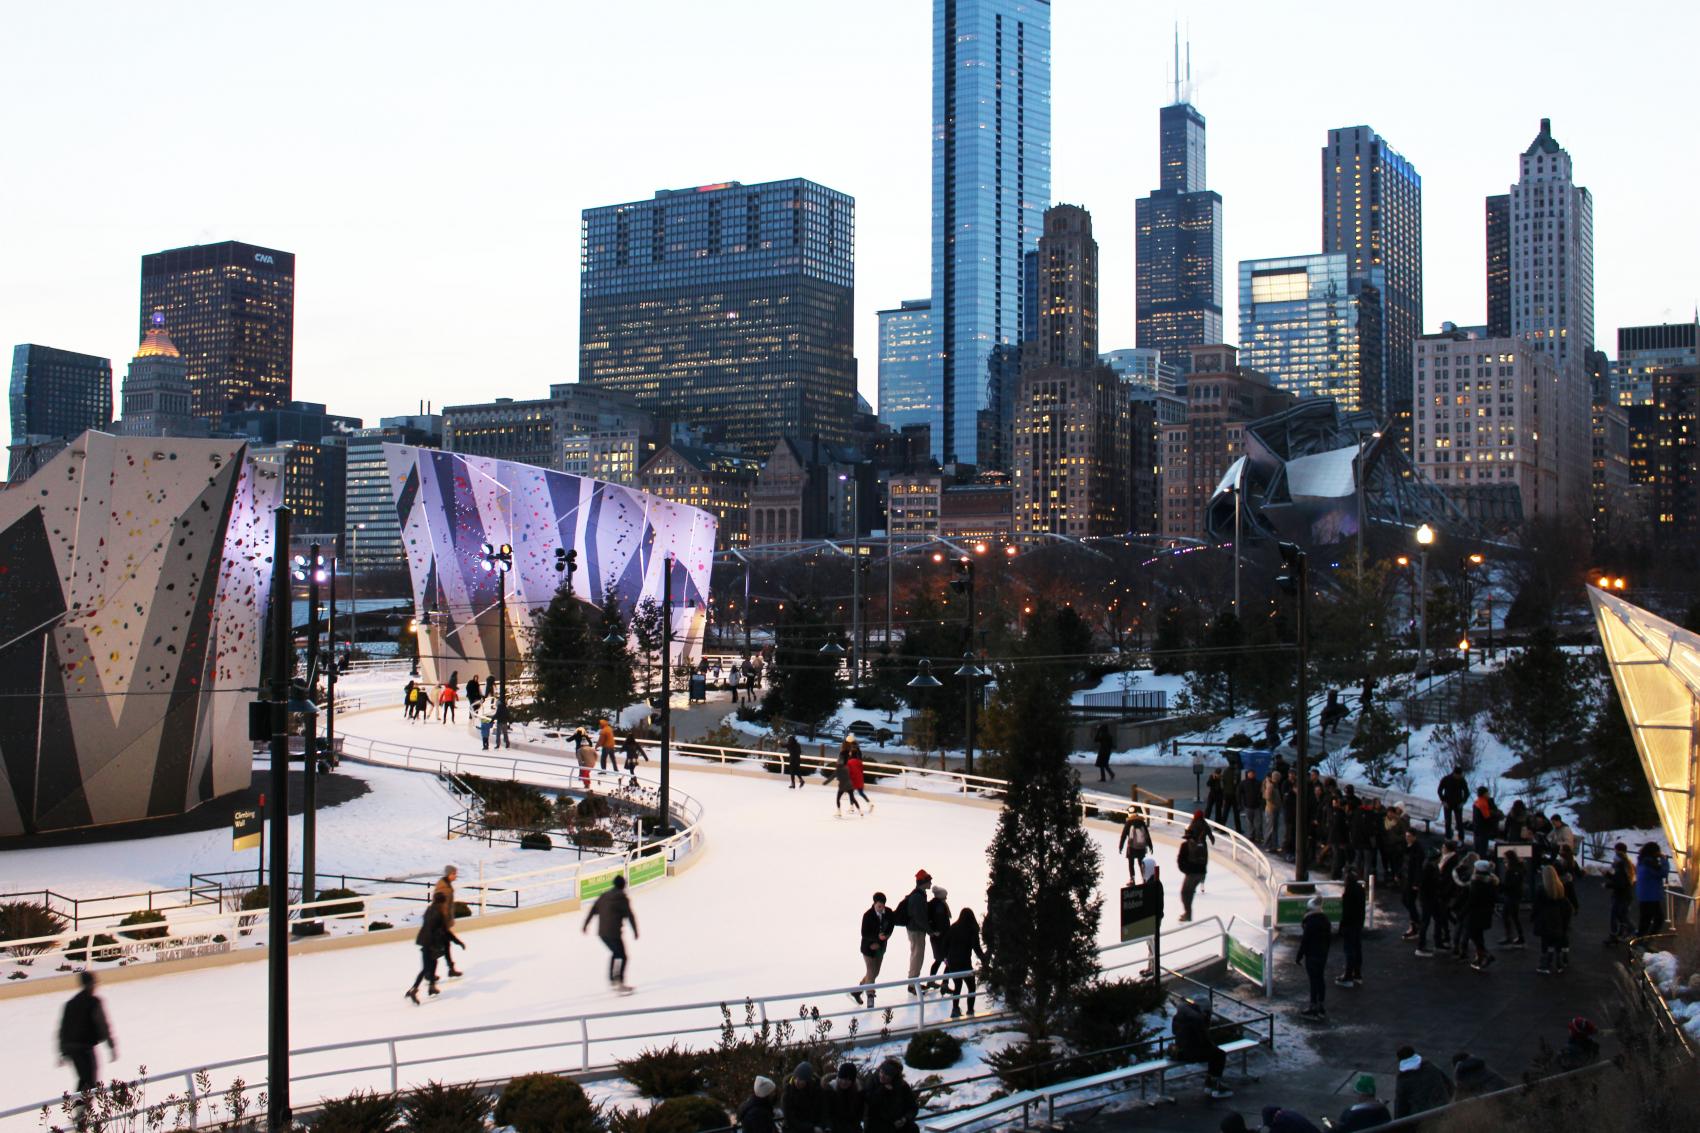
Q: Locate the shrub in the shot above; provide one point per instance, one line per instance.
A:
(105, 948)
(593, 837)
(625, 1119)
(1111, 1013)
(344, 909)
(691, 1114)
(593, 807)
(379, 926)
(144, 917)
(536, 840)
(360, 1112)
(256, 900)
(664, 1072)
(933, 1050)
(20, 920)
(436, 1108)
(544, 1103)
(1030, 1065)
(1241, 741)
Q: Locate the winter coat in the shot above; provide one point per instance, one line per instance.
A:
(449, 695)
(803, 1103)
(1315, 934)
(1271, 792)
(1426, 1087)
(1354, 901)
(961, 946)
(1453, 791)
(1278, 1120)
(1472, 1078)
(586, 752)
(1194, 857)
(1551, 917)
(1650, 873)
(875, 925)
(605, 737)
(1481, 899)
(913, 913)
(1415, 861)
(1213, 793)
(1482, 813)
(844, 1106)
(474, 694)
(1364, 1115)
(1622, 879)
(611, 910)
(1136, 837)
(1251, 794)
(1366, 828)
(891, 1107)
(938, 918)
(634, 753)
(1105, 741)
(447, 889)
(434, 934)
(793, 756)
(1338, 826)
(83, 1024)
(1511, 886)
(1191, 1026)
(756, 1115)
(854, 766)
(841, 773)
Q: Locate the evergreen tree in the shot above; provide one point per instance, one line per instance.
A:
(933, 637)
(804, 682)
(1042, 904)
(1543, 703)
(563, 691)
(1168, 652)
(612, 670)
(1215, 682)
(1376, 742)
(648, 625)
(1611, 774)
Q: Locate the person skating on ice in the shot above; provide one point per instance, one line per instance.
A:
(611, 912)
(434, 939)
(82, 1028)
(938, 928)
(854, 763)
(962, 946)
(446, 886)
(912, 915)
(634, 752)
(877, 926)
(845, 787)
(794, 761)
(605, 743)
(1135, 841)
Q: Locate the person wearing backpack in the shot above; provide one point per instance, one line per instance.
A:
(1194, 862)
(1135, 842)
(912, 914)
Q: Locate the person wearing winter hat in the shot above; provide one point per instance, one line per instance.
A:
(1472, 1077)
(1421, 1085)
(844, 1101)
(891, 1102)
(1193, 1043)
(1194, 860)
(938, 931)
(1581, 1048)
(803, 1102)
(1279, 1120)
(756, 1114)
(1313, 954)
(1366, 1111)
(1480, 901)
(913, 915)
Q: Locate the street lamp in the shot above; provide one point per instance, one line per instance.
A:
(963, 584)
(1295, 579)
(499, 561)
(856, 641)
(923, 677)
(309, 568)
(354, 587)
(1425, 537)
(1465, 562)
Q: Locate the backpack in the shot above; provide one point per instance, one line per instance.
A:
(1183, 858)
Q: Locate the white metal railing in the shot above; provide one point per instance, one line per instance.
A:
(597, 1040)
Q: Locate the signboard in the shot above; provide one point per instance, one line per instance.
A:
(594, 885)
(189, 951)
(651, 868)
(1245, 960)
(1290, 910)
(245, 829)
(1142, 909)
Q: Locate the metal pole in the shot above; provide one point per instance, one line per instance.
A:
(502, 645)
(972, 681)
(1358, 475)
(354, 592)
(1301, 822)
(747, 565)
(1422, 610)
(310, 769)
(1237, 510)
(278, 1117)
(856, 584)
(888, 587)
(665, 815)
(331, 672)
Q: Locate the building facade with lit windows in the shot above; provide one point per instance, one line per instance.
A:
(1143, 367)
(230, 309)
(912, 502)
(907, 364)
(1499, 265)
(314, 484)
(715, 481)
(725, 307)
(533, 431)
(371, 528)
(1178, 296)
(1221, 397)
(156, 400)
(991, 186)
(1490, 411)
(1372, 213)
(1312, 328)
(1643, 351)
(1552, 256)
(58, 393)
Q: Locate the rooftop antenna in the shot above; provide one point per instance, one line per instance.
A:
(1177, 71)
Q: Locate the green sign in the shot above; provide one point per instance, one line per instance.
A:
(1291, 910)
(594, 885)
(651, 868)
(1245, 960)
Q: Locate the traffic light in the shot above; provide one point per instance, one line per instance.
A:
(1292, 576)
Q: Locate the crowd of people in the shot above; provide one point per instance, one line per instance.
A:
(924, 915)
(483, 708)
(849, 1102)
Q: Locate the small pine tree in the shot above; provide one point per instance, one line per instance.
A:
(612, 672)
(1168, 652)
(648, 625)
(1377, 739)
(1042, 906)
(1611, 774)
(559, 659)
(804, 682)
(1544, 702)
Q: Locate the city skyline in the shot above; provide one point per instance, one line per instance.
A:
(436, 233)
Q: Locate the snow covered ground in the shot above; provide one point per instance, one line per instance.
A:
(771, 906)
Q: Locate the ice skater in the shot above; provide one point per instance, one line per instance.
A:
(634, 752)
(434, 940)
(794, 761)
(83, 1027)
(877, 925)
(447, 698)
(854, 763)
(446, 886)
(586, 752)
(846, 786)
(605, 741)
(611, 911)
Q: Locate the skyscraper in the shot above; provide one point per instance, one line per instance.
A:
(1552, 293)
(1499, 265)
(991, 185)
(230, 308)
(157, 400)
(58, 393)
(1071, 424)
(726, 307)
(1372, 213)
(907, 363)
(1312, 327)
(1178, 244)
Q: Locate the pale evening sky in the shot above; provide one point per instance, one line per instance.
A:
(427, 162)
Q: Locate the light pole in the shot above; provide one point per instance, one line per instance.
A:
(278, 1117)
(1235, 491)
(666, 815)
(856, 642)
(1468, 614)
(1358, 476)
(1425, 537)
(1296, 580)
(963, 583)
(354, 588)
(500, 560)
(311, 570)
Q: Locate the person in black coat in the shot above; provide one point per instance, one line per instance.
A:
(803, 1103)
(877, 927)
(938, 927)
(1105, 743)
(1411, 880)
(1354, 902)
(1552, 921)
(1250, 793)
(1421, 1085)
(1511, 887)
(844, 1101)
(1481, 899)
(434, 938)
(82, 1027)
(891, 1102)
(1193, 1043)
(1315, 933)
(756, 1114)
(961, 948)
(1214, 803)
(794, 763)
(1452, 792)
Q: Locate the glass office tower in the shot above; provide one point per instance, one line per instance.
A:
(1311, 327)
(58, 393)
(906, 365)
(991, 186)
(1178, 245)
(726, 307)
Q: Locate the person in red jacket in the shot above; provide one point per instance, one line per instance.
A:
(853, 764)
